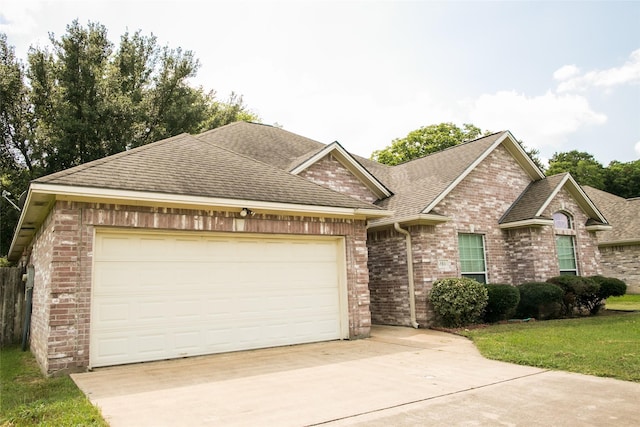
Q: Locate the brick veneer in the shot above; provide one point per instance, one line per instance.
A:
(63, 250)
(622, 262)
(476, 205)
(329, 172)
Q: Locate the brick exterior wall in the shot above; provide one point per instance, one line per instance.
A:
(330, 173)
(62, 255)
(622, 262)
(474, 206)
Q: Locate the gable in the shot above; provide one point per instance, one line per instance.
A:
(330, 173)
(532, 204)
(487, 191)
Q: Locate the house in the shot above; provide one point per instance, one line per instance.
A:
(619, 247)
(250, 236)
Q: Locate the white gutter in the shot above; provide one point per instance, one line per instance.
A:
(412, 293)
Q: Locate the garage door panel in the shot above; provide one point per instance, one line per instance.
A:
(158, 296)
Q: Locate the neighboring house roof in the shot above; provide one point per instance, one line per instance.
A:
(188, 171)
(529, 207)
(622, 213)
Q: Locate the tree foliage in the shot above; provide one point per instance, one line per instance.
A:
(84, 98)
(424, 141)
(622, 179)
(582, 166)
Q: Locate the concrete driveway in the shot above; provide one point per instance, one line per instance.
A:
(398, 377)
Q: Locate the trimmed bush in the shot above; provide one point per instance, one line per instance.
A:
(610, 286)
(458, 301)
(502, 303)
(580, 293)
(541, 300)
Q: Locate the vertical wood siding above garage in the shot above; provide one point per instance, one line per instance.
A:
(160, 295)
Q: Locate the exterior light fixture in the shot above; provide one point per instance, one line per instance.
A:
(245, 212)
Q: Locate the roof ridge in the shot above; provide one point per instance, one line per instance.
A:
(464, 143)
(102, 160)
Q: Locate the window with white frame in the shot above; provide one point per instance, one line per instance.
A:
(565, 243)
(472, 256)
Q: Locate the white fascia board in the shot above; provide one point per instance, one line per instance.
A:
(622, 242)
(106, 195)
(534, 222)
(534, 171)
(580, 196)
(426, 219)
(352, 164)
(599, 227)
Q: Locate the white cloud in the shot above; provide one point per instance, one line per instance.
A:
(627, 73)
(541, 121)
(17, 17)
(566, 72)
(637, 148)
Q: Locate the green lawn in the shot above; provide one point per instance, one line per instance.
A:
(607, 345)
(27, 398)
(629, 302)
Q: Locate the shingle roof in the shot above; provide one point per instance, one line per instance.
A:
(187, 165)
(265, 143)
(623, 214)
(416, 184)
(532, 199)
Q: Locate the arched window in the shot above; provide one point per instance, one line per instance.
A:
(562, 221)
(565, 243)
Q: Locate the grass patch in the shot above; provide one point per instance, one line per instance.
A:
(629, 302)
(606, 345)
(27, 398)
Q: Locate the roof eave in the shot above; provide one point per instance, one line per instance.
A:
(419, 219)
(620, 242)
(531, 222)
(41, 198)
(599, 227)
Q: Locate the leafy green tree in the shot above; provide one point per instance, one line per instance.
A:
(583, 167)
(623, 179)
(424, 141)
(16, 116)
(84, 98)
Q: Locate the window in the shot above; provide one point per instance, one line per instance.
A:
(565, 243)
(566, 255)
(562, 221)
(472, 262)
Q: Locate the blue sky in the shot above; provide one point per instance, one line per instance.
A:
(560, 75)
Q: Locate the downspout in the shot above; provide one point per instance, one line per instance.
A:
(412, 293)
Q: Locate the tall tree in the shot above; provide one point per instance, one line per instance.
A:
(84, 98)
(583, 167)
(426, 140)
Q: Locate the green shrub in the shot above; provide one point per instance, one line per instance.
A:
(610, 286)
(541, 300)
(502, 303)
(580, 294)
(458, 301)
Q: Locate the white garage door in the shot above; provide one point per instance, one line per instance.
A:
(159, 295)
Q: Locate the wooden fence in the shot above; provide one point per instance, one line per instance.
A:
(12, 291)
